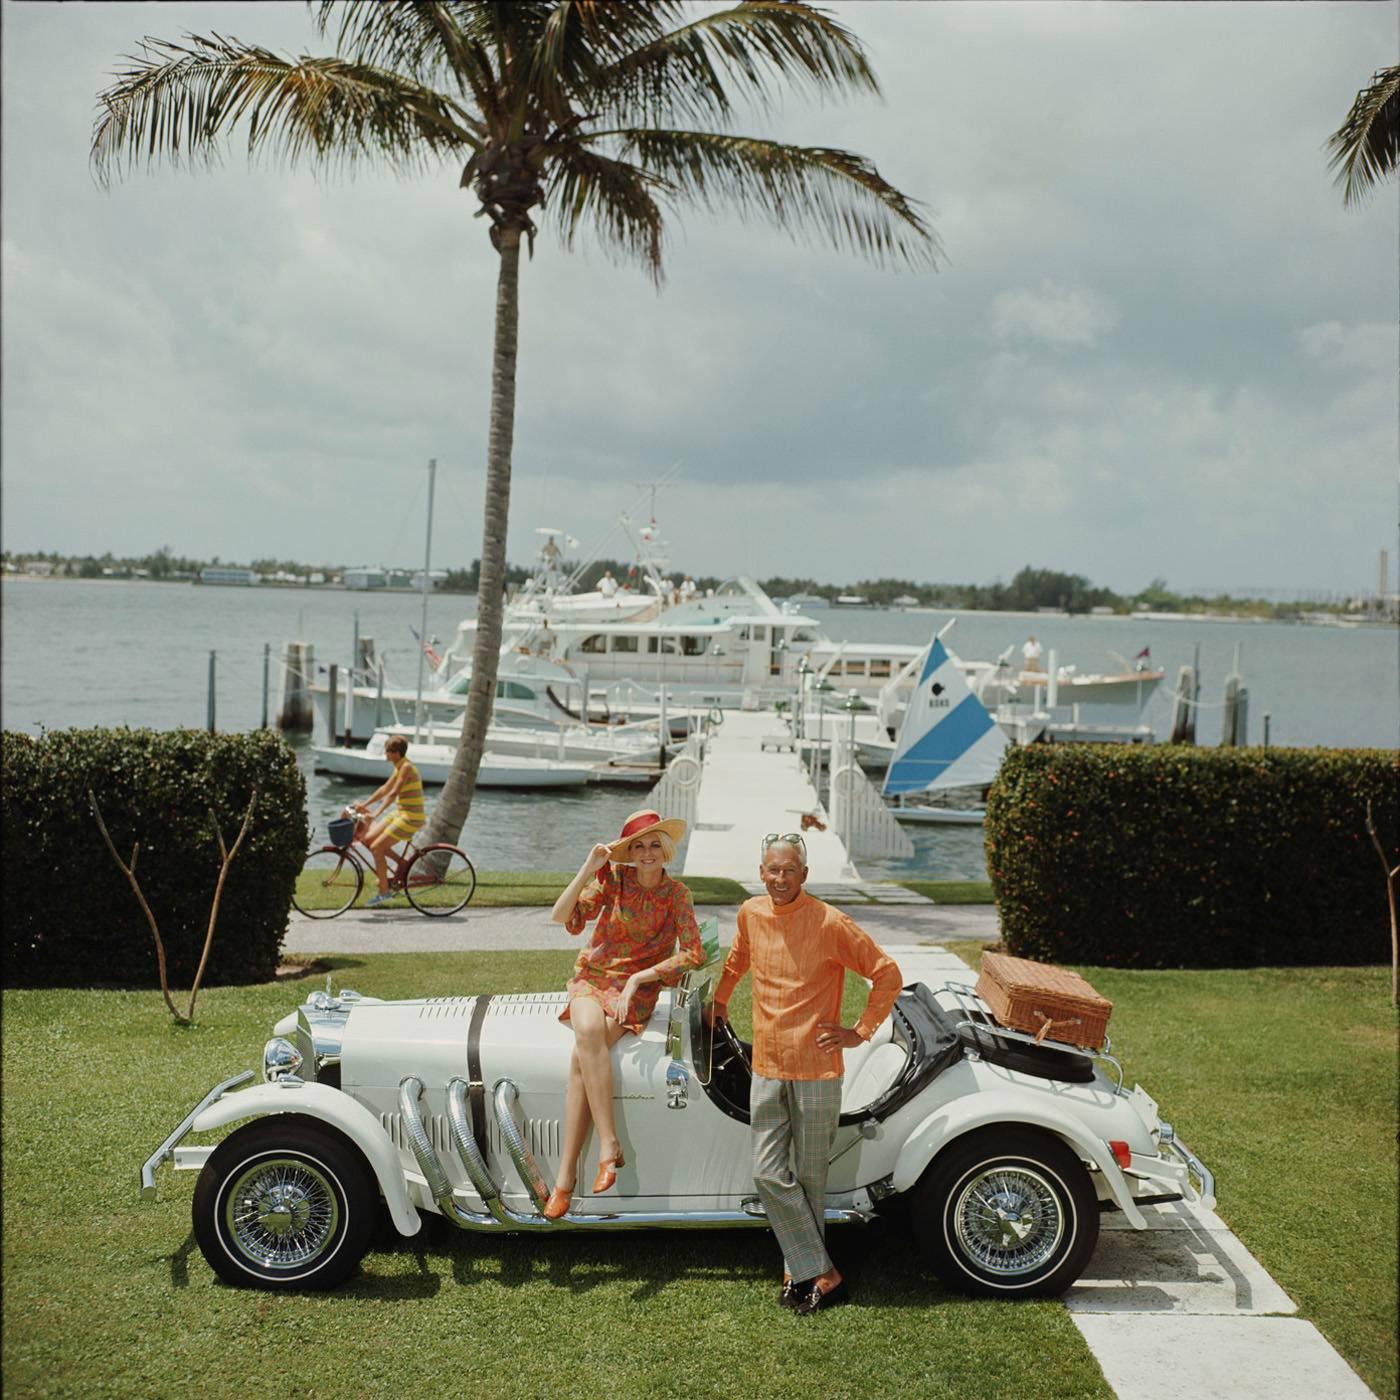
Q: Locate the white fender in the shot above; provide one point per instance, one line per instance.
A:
(1000, 1108)
(340, 1111)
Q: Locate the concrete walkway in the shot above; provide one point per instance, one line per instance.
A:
(750, 785)
(1182, 1310)
(404, 931)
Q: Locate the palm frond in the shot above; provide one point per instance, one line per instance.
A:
(421, 37)
(615, 197)
(180, 101)
(1366, 147)
(803, 190)
(688, 72)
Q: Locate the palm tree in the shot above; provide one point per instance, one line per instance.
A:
(1366, 147)
(566, 106)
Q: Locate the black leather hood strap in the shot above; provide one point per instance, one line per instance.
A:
(476, 1090)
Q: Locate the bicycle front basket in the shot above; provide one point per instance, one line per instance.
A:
(342, 831)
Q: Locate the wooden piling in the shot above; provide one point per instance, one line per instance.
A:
(298, 666)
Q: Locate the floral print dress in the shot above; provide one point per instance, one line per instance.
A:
(637, 929)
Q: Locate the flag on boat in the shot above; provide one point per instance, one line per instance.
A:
(947, 739)
(428, 650)
(1144, 654)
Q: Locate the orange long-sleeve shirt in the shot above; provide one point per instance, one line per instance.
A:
(798, 954)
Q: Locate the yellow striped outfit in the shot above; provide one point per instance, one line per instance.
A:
(409, 812)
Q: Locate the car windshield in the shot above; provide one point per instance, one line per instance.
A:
(700, 983)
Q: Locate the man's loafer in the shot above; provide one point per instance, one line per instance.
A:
(816, 1300)
(794, 1292)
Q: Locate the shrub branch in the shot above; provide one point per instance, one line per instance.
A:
(225, 860)
(130, 872)
(1390, 872)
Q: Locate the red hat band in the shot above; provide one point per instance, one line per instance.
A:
(639, 822)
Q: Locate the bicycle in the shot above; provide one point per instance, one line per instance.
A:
(436, 879)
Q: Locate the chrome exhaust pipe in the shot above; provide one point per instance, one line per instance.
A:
(464, 1141)
(439, 1187)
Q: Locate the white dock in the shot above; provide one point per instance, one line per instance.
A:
(750, 785)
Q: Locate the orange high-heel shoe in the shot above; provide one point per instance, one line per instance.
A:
(607, 1173)
(558, 1203)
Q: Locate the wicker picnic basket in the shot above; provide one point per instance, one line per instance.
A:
(1047, 1002)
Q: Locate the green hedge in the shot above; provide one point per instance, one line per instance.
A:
(70, 917)
(1180, 857)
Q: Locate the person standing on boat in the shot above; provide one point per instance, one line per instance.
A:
(642, 913)
(798, 950)
(607, 585)
(1031, 651)
(404, 791)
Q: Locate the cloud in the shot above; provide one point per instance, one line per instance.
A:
(1053, 315)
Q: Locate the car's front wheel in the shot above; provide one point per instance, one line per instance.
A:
(1007, 1213)
(284, 1205)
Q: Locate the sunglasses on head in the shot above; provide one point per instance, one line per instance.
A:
(785, 838)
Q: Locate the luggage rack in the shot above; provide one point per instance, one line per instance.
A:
(978, 1019)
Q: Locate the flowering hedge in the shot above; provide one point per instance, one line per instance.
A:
(70, 917)
(1180, 857)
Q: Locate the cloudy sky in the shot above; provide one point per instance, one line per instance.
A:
(1158, 345)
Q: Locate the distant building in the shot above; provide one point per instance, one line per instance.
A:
(40, 568)
(365, 577)
(218, 573)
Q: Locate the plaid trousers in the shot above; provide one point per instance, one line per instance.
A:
(794, 1126)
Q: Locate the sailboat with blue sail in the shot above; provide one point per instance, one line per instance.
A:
(947, 741)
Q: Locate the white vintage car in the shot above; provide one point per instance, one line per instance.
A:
(1002, 1152)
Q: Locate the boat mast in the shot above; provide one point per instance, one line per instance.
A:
(423, 628)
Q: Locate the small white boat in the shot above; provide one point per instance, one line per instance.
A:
(930, 814)
(434, 762)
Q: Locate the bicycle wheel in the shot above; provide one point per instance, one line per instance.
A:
(329, 883)
(439, 880)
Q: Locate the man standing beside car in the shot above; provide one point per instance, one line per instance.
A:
(798, 949)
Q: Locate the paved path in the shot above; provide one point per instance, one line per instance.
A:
(404, 931)
(1182, 1310)
(747, 787)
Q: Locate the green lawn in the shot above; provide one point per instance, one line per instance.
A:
(497, 889)
(953, 891)
(1283, 1080)
(106, 1296)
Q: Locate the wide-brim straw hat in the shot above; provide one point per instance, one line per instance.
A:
(643, 823)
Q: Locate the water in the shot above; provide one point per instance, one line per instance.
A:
(81, 653)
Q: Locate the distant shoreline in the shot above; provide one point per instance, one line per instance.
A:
(1346, 624)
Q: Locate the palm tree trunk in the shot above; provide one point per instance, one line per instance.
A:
(453, 807)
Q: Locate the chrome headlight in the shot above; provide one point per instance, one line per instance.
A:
(281, 1060)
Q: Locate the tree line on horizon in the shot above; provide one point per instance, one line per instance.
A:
(1030, 590)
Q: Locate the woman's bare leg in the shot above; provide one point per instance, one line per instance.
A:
(577, 1121)
(379, 842)
(595, 1034)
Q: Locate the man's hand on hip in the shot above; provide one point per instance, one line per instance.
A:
(832, 1037)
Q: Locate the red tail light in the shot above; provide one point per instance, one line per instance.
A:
(1122, 1153)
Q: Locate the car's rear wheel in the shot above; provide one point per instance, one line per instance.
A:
(284, 1205)
(1008, 1213)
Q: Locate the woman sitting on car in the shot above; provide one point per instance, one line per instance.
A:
(642, 913)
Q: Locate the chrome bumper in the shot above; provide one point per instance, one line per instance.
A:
(164, 1152)
(1195, 1168)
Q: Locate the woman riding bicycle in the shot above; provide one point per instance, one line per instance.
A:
(404, 789)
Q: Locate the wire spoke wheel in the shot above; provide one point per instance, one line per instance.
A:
(439, 880)
(281, 1214)
(329, 883)
(1009, 1220)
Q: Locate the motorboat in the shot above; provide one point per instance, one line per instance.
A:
(433, 760)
